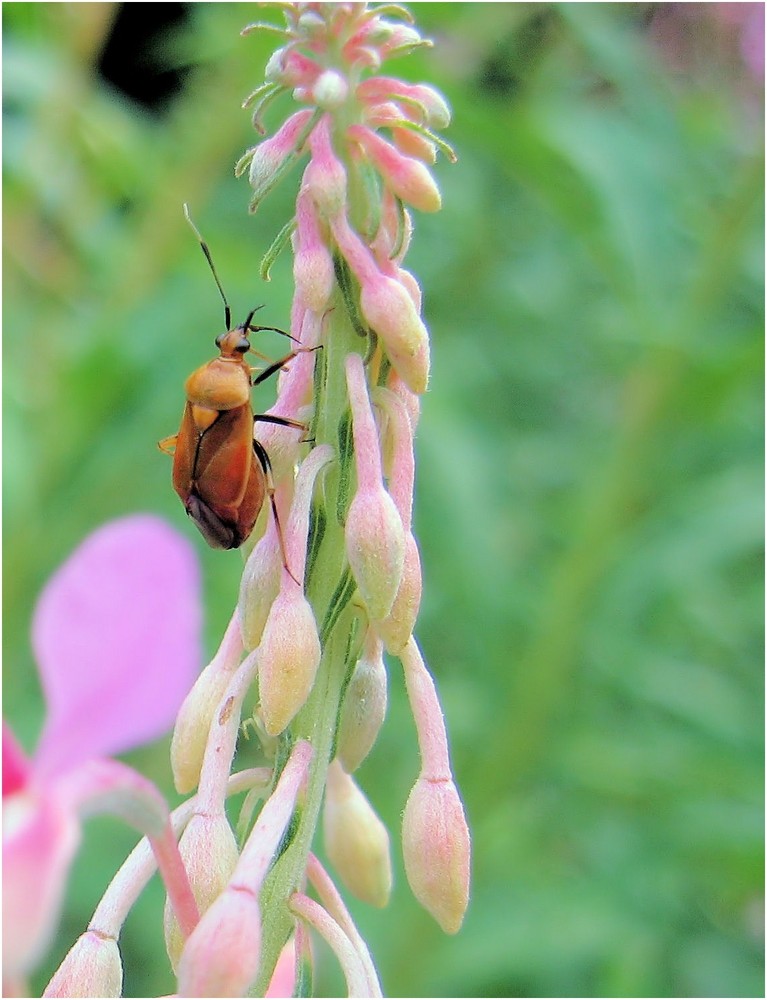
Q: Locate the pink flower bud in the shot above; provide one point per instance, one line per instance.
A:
(271, 154)
(291, 68)
(391, 242)
(389, 309)
(435, 108)
(375, 547)
(290, 647)
(325, 176)
(364, 706)
(289, 657)
(92, 968)
(407, 177)
(313, 262)
(411, 400)
(283, 981)
(435, 837)
(330, 90)
(190, 734)
(411, 143)
(356, 840)
(259, 585)
(209, 852)
(375, 541)
(409, 282)
(397, 627)
(437, 851)
(221, 957)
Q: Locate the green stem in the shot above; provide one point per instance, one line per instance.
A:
(317, 721)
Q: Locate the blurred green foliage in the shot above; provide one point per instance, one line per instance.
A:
(589, 496)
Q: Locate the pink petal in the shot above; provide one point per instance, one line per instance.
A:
(16, 766)
(283, 981)
(116, 633)
(39, 841)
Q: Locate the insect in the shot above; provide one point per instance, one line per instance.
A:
(220, 471)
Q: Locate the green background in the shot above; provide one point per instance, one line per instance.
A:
(589, 484)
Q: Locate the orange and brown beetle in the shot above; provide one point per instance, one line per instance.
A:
(220, 471)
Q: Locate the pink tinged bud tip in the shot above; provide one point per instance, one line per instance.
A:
(437, 851)
(435, 836)
(325, 176)
(190, 734)
(208, 849)
(389, 309)
(398, 625)
(272, 153)
(91, 968)
(407, 177)
(313, 264)
(259, 585)
(356, 841)
(424, 102)
(412, 144)
(364, 706)
(283, 981)
(375, 540)
(221, 957)
(330, 90)
(290, 647)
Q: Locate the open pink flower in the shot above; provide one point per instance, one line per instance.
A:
(116, 634)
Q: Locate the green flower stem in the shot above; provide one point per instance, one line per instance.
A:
(317, 721)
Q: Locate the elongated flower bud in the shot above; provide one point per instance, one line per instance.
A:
(313, 263)
(270, 155)
(221, 956)
(290, 647)
(435, 837)
(193, 721)
(325, 176)
(259, 585)
(290, 655)
(364, 706)
(416, 97)
(407, 177)
(92, 968)
(397, 627)
(375, 542)
(356, 840)
(437, 851)
(209, 852)
(389, 309)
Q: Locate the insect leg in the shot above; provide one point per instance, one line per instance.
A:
(266, 465)
(168, 444)
(275, 366)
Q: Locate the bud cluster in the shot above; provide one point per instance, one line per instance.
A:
(333, 580)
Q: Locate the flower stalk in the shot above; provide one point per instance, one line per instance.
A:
(334, 578)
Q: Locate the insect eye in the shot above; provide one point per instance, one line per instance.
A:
(219, 338)
(243, 346)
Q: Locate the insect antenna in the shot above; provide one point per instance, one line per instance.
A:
(206, 251)
(255, 329)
